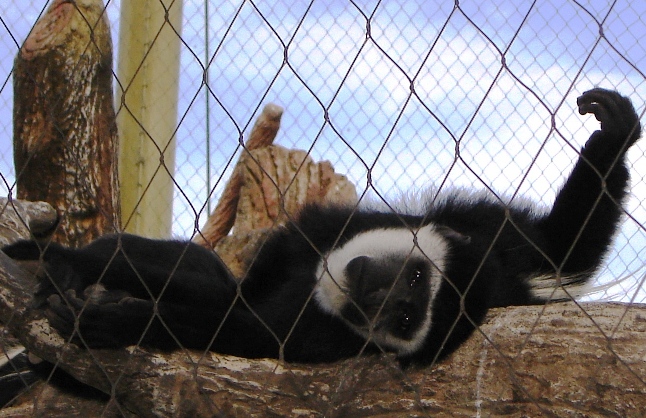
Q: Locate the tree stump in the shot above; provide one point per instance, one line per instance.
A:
(65, 136)
(21, 220)
(268, 186)
(275, 183)
(223, 217)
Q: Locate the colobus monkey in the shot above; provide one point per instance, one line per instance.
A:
(340, 281)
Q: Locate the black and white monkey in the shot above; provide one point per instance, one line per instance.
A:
(340, 281)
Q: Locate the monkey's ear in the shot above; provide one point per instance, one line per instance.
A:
(453, 235)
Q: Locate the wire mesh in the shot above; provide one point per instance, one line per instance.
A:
(399, 96)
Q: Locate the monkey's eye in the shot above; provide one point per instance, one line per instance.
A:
(415, 277)
(405, 321)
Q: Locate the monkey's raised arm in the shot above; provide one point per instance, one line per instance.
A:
(588, 208)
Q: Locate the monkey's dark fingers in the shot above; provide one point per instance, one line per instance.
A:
(604, 104)
(615, 112)
(115, 324)
(99, 325)
(598, 110)
(613, 101)
(62, 313)
(98, 294)
(60, 316)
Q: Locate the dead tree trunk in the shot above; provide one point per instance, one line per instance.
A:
(223, 216)
(65, 136)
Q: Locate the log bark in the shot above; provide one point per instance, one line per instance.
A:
(275, 183)
(65, 137)
(278, 182)
(268, 186)
(560, 360)
(223, 216)
(20, 219)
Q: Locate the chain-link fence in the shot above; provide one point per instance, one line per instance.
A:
(398, 96)
(489, 76)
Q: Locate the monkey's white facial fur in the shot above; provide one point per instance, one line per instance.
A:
(383, 283)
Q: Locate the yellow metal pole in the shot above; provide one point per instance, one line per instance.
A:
(147, 91)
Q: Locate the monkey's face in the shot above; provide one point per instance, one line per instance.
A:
(389, 299)
(382, 283)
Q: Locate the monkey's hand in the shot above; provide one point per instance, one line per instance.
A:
(50, 268)
(619, 121)
(100, 318)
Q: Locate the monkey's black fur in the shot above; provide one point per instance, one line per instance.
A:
(397, 287)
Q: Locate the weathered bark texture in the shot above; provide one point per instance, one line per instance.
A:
(274, 184)
(236, 250)
(49, 401)
(561, 360)
(268, 186)
(65, 137)
(277, 182)
(223, 216)
(20, 219)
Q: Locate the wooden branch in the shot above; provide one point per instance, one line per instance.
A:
(20, 219)
(268, 186)
(65, 137)
(273, 185)
(563, 359)
(223, 216)
(278, 182)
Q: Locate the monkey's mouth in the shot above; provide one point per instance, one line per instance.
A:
(384, 320)
(364, 317)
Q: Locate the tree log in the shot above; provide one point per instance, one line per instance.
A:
(274, 184)
(223, 216)
(562, 359)
(20, 220)
(269, 185)
(278, 182)
(65, 136)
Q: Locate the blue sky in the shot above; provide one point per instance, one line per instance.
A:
(487, 76)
